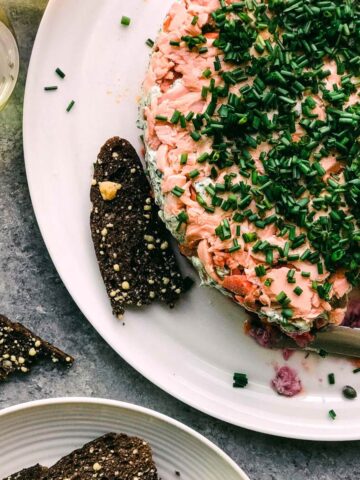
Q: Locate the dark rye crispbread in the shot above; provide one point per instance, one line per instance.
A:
(132, 244)
(20, 348)
(33, 473)
(110, 457)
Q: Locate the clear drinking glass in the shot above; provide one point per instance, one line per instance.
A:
(9, 59)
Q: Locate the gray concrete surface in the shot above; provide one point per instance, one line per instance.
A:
(31, 291)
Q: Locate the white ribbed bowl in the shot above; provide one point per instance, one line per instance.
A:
(44, 431)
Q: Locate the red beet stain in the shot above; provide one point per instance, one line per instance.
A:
(286, 382)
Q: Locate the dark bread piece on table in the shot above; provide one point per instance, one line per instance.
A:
(33, 473)
(111, 457)
(20, 348)
(131, 242)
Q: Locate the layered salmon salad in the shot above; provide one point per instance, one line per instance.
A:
(251, 115)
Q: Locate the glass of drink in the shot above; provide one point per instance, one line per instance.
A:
(9, 59)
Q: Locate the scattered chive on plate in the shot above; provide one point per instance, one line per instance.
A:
(125, 21)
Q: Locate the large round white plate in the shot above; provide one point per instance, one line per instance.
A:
(44, 431)
(192, 351)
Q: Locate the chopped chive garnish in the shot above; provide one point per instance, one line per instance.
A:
(161, 118)
(235, 246)
(50, 89)
(238, 217)
(182, 121)
(250, 237)
(203, 50)
(260, 271)
(203, 157)
(195, 136)
(356, 370)
(174, 43)
(207, 73)
(217, 64)
(194, 173)
(332, 414)
(60, 73)
(240, 380)
(331, 379)
(268, 282)
(269, 257)
(175, 117)
(182, 218)
(306, 254)
(290, 276)
(177, 191)
(245, 202)
(287, 313)
(298, 291)
(281, 297)
(210, 190)
(125, 21)
(194, 20)
(150, 43)
(70, 106)
(305, 274)
(184, 158)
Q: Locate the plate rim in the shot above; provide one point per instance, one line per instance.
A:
(78, 401)
(276, 428)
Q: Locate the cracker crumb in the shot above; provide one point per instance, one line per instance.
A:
(109, 190)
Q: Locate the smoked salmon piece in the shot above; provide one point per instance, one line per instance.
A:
(239, 285)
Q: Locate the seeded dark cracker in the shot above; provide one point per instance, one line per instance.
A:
(131, 242)
(20, 348)
(112, 457)
(33, 473)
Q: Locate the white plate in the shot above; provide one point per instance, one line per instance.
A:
(192, 351)
(44, 431)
